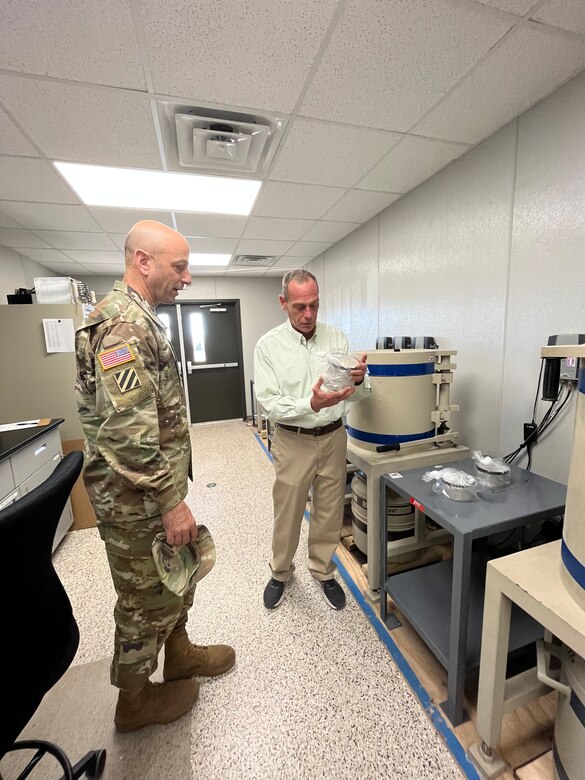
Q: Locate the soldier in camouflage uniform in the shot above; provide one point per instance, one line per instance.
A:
(138, 454)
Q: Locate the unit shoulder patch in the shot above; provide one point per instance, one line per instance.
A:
(116, 356)
(130, 385)
(127, 379)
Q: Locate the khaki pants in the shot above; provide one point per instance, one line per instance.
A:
(301, 461)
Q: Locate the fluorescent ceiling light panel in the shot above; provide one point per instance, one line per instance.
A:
(98, 185)
(198, 258)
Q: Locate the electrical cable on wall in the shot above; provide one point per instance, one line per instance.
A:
(539, 429)
(551, 415)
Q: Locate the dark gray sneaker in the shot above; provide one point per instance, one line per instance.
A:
(333, 594)
(273, 593)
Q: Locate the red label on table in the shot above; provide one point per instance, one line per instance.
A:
(417, 504)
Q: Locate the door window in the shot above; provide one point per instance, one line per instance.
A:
(197, 336)
(165, 318)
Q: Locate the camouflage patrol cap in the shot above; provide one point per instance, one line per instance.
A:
(181, 566)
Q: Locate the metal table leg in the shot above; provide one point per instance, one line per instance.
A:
(383, 520)
(453, 707)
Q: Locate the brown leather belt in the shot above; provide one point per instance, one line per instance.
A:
(321, 431)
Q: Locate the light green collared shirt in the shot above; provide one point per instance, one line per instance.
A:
(286, 366)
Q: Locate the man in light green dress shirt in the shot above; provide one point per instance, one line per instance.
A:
(309, 446)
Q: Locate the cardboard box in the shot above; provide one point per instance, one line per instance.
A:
(83, 514)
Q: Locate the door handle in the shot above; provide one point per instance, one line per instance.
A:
(191, 367)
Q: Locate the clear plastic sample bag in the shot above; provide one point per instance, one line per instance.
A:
(337, 367)
(454, 484)
(490, 472)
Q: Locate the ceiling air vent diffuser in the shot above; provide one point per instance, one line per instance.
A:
(215, 141)
(254, 261)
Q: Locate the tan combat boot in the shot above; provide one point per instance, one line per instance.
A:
(183, 659)
(154, 703)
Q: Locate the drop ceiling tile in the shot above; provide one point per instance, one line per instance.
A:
(12, 141)
(21, 238)
(360, 205)
(62, 239)
(568, 14)
(531, 62)
(299, 201)
(308, 248)
(114, 269)
(218, 245)
(274, 272)
(66, 269)
(410, 163)
(44, 256)
(49, 216)
(30, 179)
(210, 225)
(121, 220)
(518, 7)
(81, 41)
(258, 246)
(272, 227)
(202, 272)
(208, 270)
(84, 123)
(119, 239)
(312, 150)
(291, 262)
(237, 271)
(6, 222)
(91, 257)
(329, 231)
(386, 67)
(249, 53)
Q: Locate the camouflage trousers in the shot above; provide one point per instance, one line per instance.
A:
(146, 612)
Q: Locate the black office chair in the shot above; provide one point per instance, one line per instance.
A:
(39, 634)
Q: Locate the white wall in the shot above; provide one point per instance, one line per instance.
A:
(259, 307)
(487, 256)
(17, 271)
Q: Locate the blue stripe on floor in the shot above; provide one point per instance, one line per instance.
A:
(415, 684)
(264, 447)
(432, 710)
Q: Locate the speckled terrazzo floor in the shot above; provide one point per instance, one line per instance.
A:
(314, 693)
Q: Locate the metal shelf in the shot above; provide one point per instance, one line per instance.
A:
(424, 598)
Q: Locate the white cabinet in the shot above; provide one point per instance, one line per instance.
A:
(29, 467)
(12, 496)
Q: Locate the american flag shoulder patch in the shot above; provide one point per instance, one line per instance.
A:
(110, 358)
(127, 379)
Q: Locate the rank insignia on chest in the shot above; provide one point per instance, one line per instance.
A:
(110, 358)
(127, 380)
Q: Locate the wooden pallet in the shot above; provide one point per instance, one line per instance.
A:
(348, 542)
(526, 733)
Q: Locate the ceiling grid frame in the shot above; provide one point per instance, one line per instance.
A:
(18, 215)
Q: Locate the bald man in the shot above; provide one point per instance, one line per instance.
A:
(138, 454)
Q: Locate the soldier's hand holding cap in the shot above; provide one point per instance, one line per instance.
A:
(180, 525)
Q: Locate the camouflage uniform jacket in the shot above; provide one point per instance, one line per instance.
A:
(132, 410)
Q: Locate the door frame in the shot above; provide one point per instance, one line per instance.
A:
(207, 302)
